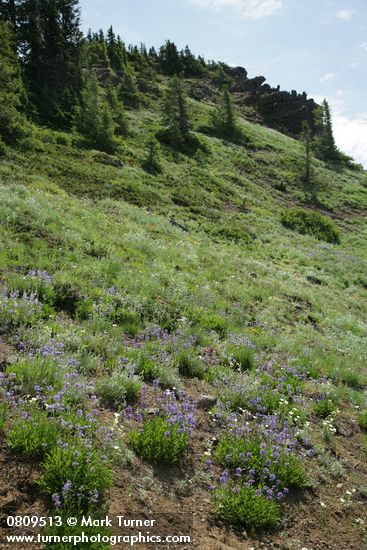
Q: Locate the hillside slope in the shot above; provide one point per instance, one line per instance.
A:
(113, 277)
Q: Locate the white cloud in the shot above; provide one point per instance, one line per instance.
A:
(351, 136)
(329, 77)
(350, 132)
(344, 15)
(251, 9)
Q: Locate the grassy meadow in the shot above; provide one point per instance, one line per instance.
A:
(127, 296)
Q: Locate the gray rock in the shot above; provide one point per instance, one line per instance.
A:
(206, 402)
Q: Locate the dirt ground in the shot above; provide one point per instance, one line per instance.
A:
(330, 516)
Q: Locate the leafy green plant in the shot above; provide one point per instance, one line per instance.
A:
(4, 411)
(33, 433)
(158, 441)
(216, 323)
(39, 372)
(75, 476)
(19, 311)
(190, 365)
(286, 467)
(311, 222)
(351, 378)
(362, 420)
(113, 391)
(245, 509)
(37, 282)
(240, 358)
(324, 408)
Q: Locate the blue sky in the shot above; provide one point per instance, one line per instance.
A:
(317, 46)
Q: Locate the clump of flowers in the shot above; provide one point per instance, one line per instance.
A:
(19, 310)
(161, 437)
(263, 450)
(325, 403)
(55, 422)
(260, 455)
(245, 507)
(75, 477)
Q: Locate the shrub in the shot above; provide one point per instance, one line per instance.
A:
(245, 509)
(286, 467)
(113, 391)
(189, 365)
(3, 417)
(351, 378)
(362, 420)
(237, 394)
(39, 372)
(149, 367)
(311, 223)
(75, 477)
(241, 358)
(233, 230)
(33, 433)
(324, 408)
(216, 323)
(16, 310)
(159, 441)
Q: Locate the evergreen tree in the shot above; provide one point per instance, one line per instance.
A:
(115, 51)
(49, 41)
(307, 139)
(13, 125)
(221, 77)
(323, 142)
(153, 54)
(169, 59)
(121, 49)
(96, 52)
(328, 142)
(190, 65)
(128, 90)
(95, 120)
(176, 120)
(152, 162)
(175, 111)
(117, 110)
(224, 120)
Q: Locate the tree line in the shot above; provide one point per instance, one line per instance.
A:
(53, 75)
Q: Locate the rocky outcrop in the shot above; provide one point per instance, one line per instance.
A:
(279, 109)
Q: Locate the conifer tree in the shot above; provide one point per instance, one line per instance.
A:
(328, 142)
(176, 119)
(152, 162)
(222, 77)
(224, 121)
(117, 110)
(128, 90)
(190, 65)
(13, 125)
(323, 143)
(169, 59)
(8, 12)
(96, 51)
(175, 112)
(49, 41)
(307, 139)
(115, 51)
(95, 120)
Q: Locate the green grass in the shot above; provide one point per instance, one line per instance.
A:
(311, 223)
(197, 254)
